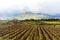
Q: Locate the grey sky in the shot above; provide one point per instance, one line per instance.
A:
(42, 6)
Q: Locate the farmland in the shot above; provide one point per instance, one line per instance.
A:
(29, 30)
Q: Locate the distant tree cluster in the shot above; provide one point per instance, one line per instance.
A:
(50, 19)
(43, 19)
(16, 20)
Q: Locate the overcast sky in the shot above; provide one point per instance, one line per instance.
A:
(9, 7)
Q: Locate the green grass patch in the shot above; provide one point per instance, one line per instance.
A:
(1, 38)
(52, 22)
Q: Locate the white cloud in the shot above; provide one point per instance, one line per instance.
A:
(44, 6)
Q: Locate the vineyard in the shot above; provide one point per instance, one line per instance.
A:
(29, 31)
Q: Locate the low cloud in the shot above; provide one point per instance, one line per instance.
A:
(39, 6)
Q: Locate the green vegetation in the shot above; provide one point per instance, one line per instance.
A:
(1, 38)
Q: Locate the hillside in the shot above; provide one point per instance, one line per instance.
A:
(29, 15)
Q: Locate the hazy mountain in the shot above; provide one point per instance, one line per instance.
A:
(29, 15)
(56, 16)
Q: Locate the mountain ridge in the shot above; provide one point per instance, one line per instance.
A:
(30, 15)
